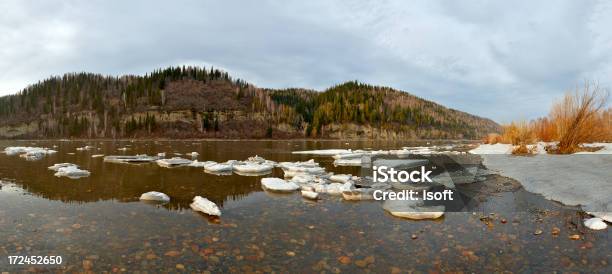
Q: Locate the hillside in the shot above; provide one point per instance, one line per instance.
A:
(193, 102)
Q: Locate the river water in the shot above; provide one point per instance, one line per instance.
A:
(98, 224)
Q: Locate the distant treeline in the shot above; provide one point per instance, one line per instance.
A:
(198, 102)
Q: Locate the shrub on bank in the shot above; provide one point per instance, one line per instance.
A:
(580, 117)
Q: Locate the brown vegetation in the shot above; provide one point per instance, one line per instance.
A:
(492, 138)
(580, 117)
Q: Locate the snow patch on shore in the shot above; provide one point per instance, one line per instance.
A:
(570, 179)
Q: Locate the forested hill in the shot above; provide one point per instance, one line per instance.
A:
(193, 102)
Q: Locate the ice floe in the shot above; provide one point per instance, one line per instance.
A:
(72, 172)
(295, 168)
(358, 194)
(308, 194)
(29, 153)
(123, 159)
(173, 162)
(220, 167)
(323, 152)
(278, 185)
(413, 209)
(364, 160)
(85, 148)
(595, 223)
(352, 155)
(56, 167)
(97, 155)
(155, 196)
(253, 167)
(341, 178)
(205, 206)
(196, 163)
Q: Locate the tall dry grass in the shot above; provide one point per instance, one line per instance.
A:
(518, 133)
(492, 138)
(544, 129)
(579, 118)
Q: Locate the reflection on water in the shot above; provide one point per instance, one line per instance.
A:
(97, 222)
(125, 182)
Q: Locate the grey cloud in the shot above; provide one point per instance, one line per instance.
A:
(499, 60)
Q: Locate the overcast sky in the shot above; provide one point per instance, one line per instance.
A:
(504, 60)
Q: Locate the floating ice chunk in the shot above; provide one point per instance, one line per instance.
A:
(219, 167)
(194, 154)
(353, 155)
(303, 179)
(310, 194)
(378, 152)
(341, 178)
(161, 155)
(324, 152)
(595, 223)
(85, 148)
(291, 171)
(279, 185)
(140, 158)
(256, 159)
(195, 163)
(400, 153)
(333, 188)
(348, 162)
(422, 150)
(29, 153)
(173, 162)
(72, 172)
(358, 194)
(412, 209)
(155, 196)
(56, 167)
(97, 155)
(206, 206)
(123, 149)
(309, 163)
(253, 167)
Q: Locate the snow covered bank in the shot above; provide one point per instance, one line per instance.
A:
(539, 148)
(577, 179)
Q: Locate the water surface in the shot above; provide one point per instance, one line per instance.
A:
(97, 223)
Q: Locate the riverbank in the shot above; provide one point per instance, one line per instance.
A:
(575, 179)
